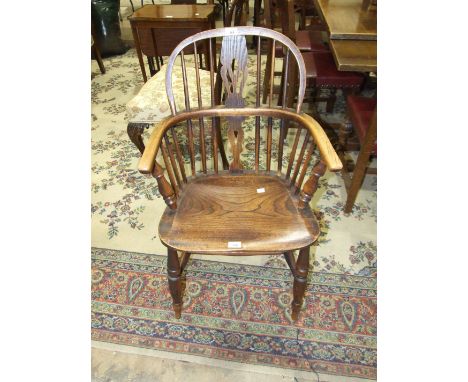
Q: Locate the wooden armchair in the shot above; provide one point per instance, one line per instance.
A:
(241, 211)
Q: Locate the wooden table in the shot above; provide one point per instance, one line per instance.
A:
(346, 19)
(352, 28)
(157, 29)
(355, 55)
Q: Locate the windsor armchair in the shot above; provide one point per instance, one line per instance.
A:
(250, 209)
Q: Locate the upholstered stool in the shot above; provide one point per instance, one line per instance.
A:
(362, 114)
(150, 105)
(323, 74)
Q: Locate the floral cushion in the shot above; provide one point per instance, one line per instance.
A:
(151, 104)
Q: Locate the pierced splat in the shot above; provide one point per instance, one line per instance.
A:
(234, 75)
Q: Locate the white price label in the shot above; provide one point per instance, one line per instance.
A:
(234, 244)
(260, 190)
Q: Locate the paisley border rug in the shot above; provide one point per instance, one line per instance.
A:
(237, 312)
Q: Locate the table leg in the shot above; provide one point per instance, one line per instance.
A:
(139, 53)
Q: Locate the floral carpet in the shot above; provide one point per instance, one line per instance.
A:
(235, 312)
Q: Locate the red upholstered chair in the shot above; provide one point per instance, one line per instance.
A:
(323, 74)
(362, 114)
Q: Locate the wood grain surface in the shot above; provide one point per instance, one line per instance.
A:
(215, 210)
(346, 19)
(355, 55)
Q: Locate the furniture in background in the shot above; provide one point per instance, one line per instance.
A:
(184, 2)
(321, 71)
(282, 15)
(355, 55)
(258, 211)
(142, 4)
(96, 50)
(352, 39)
(362, 114)
(345, 19)
(157, 29)
(150, 104)
(323, 74)
(309, 19)
(236, 15)
(353, 33)
(105, 17)
(224, 6)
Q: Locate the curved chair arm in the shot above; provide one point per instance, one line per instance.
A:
(147, 160)
(327, 152)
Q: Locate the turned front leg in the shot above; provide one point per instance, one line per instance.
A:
(300, 281)
(174, 279)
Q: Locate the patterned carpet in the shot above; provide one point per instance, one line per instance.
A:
(235, 312)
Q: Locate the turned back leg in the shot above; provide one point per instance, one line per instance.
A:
(174, 279)
(300, 281)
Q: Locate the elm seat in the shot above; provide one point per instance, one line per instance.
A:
(310, 41)
(328, 76)
(360, 111)
(212, 205)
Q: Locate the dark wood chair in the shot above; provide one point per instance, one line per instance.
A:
(362, 115)
(310, 18)
(321, 71)
(241, 211)
(311, 28)
(281, 14)
(236, 16)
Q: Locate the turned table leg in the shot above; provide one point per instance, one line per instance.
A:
(331, 101)
(174, 279)
(300, 281)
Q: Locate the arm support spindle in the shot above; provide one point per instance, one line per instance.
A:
(311, 185)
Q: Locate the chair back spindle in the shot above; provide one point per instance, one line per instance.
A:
(283, 141)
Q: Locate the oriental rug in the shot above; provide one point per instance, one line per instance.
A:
(237, 312)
